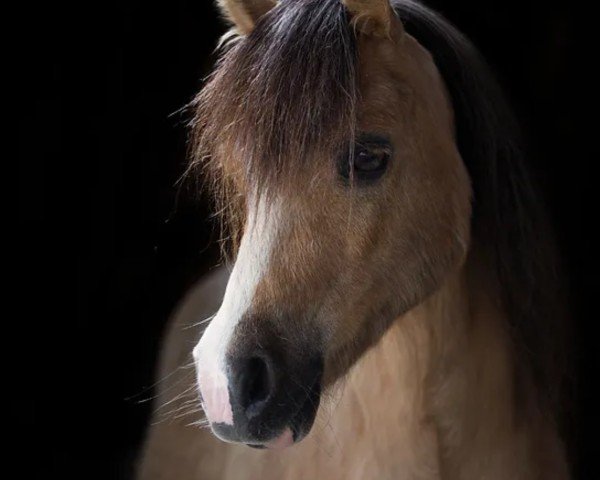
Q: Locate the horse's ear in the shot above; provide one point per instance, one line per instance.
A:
(371, 17)
(245, 13)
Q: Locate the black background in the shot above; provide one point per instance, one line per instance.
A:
(110, 242)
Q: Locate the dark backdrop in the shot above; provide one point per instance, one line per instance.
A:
(110, 242)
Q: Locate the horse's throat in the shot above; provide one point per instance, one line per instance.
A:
(375, 419)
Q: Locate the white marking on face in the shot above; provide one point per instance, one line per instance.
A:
(209, 354)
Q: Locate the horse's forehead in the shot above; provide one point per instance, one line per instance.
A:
(393, 77)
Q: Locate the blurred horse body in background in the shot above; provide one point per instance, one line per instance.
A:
(393, 291)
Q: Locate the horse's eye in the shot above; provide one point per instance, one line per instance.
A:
(367, 161)
(370, 160)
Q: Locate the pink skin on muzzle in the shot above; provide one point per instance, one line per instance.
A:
(215, 396)
(286, 439)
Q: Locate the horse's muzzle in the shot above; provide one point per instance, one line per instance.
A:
(266, 398)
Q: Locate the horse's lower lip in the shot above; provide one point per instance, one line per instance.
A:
(299, 424)
(295, 428)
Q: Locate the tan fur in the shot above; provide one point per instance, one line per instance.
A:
(434, 393)
(244, 13)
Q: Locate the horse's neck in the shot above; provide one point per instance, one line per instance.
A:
(446, 375)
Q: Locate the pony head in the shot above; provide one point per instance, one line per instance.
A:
(330, 136)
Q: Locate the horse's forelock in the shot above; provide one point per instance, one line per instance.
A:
(284, 94)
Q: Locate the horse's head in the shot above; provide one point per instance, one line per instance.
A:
(332, 132)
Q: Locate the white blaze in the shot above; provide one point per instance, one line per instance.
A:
(209, 353)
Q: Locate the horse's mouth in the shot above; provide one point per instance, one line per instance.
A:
(299, 424)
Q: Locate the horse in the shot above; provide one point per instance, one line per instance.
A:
(392, 308)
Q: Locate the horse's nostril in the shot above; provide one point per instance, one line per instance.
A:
(256, 387)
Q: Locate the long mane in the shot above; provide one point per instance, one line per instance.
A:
(509, 220)
(289, 89)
